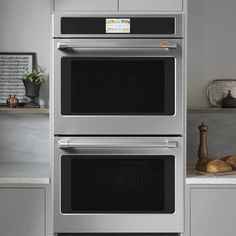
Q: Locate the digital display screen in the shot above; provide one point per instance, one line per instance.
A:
(118, 26)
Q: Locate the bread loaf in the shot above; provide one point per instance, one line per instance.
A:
(231, 160)
(218, 166)
(213, 166)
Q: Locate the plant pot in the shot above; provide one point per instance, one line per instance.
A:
(32, 92)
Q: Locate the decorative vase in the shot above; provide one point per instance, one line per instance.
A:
(229, 101)
(12, 101)
(32, 92)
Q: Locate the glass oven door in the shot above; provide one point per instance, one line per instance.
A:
(118, 86)
(117, 184)
(134, 183)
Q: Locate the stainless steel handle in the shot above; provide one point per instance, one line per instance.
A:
(65, 143)
(102, 46)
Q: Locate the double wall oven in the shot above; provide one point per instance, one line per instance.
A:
(118, 124)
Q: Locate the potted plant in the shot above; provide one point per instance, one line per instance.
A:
(32, 82)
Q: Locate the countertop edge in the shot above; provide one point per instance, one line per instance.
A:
(29, 180)
(210, 181)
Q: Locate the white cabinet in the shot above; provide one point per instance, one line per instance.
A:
(119, 5)
(22, 212)
(85, 5)
(212, 212)
(150, 5)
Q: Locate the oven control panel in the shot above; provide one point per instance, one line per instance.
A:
(118, 25)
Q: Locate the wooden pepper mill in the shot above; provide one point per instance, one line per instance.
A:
(203, 150)
(203, 159)
(204, 163)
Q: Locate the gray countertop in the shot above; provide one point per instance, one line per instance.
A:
(24, 173)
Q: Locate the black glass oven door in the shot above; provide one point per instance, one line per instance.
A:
(117, 184)
(118, 86)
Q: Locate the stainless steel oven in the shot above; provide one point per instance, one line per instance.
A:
(118, 75)
(118, 184)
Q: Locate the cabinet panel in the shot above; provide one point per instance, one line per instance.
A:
(150, 5)
(213, 212)
(85, 5)
(22, 212)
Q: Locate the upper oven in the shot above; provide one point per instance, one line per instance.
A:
(109, 81)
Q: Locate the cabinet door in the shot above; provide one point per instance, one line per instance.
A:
(85, 5)
(213, 212)
(22, 212)
(150, 5)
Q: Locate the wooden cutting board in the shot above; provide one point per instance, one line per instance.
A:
(192, 171)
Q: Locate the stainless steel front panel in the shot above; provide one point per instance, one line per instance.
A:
(117, 124)
(118, 223)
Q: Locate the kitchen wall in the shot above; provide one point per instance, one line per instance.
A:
(24, 137)
(220, 136)
(211, 55)
(25, 27)
(211, 45)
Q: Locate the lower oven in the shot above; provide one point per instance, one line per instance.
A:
(118, 185)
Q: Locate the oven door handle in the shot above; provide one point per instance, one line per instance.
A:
(66, 144)
(71, 46)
